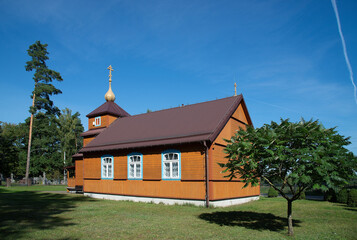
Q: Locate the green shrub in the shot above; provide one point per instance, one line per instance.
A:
(302, 195)
(352, 198)
(342, 196)
(330, 196)
(272, 192)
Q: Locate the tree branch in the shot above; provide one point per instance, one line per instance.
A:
(277, 189)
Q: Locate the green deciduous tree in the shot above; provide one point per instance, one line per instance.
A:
(9, 153)
(43, 77)
(69, 128)
(47, 144)
(297, 156)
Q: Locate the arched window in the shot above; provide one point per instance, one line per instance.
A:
(171, 165)
(107, 167)
(135, 166)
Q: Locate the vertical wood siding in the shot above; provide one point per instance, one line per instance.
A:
(224, 190)
(106, 120)
(193, 164)
(71, 182)
(79, 173)
(87, 140)
(151, 164)
(162, 189)
(111, 119)
(192, 171)
(220, 186)
(240, 114)
(92, 166)
(218, 156)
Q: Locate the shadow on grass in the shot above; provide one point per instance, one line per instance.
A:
(351, 209)
(250, 220)
(22, 211)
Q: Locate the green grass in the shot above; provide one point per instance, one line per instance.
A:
(39, 215)
(36, 188)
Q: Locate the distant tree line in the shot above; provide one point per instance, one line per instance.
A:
(48, 135)
(53, 137)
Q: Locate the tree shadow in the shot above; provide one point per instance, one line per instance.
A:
(351, 209)
(249, 220)
(22, 211)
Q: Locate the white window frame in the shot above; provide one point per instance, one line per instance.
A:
(164, 161)
(99, 121)
(106, 166)
(135, 165)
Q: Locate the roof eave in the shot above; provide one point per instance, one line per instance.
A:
(192, 139)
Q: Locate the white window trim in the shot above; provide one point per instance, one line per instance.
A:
(95, 121)
(141, 166)
(107, 164)
(163, 161)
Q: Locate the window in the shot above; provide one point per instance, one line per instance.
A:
(171, 165)
(135, 166)
(97, 121)
(107, 167)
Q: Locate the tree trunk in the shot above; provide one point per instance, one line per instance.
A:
(8, 182)
(290, 218)
(64, 169)
(29, 145)
(76, 142)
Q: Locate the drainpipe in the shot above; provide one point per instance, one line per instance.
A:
(206, 174)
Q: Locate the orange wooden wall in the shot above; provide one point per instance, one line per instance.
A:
(79, 173)
(71, 181)
(191, 186)
(220, 186)
(106, 120)
(161, 189)
(87, 140)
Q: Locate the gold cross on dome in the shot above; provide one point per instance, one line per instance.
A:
(235, 89)
(110, 72)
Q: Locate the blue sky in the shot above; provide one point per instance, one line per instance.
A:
(286, 56)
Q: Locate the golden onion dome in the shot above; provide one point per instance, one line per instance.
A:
(109, 96)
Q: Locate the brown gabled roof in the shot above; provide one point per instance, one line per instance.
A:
(92, 132)
(108, 108)
(70, 167)
(190, 123)
(77, 155)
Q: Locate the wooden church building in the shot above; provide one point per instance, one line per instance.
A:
(167, 156)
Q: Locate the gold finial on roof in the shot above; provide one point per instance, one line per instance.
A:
(235, 89)
(110, 72)
(109, 96)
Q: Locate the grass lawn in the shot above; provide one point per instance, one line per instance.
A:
(28, 214)
(37, 188)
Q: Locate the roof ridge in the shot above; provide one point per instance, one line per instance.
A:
(166, 109)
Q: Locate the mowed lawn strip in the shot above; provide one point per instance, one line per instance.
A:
(39, 215)
(35, 188)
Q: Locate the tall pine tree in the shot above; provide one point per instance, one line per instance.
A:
(43, 89)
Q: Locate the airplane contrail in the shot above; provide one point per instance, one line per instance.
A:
(334, 5)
